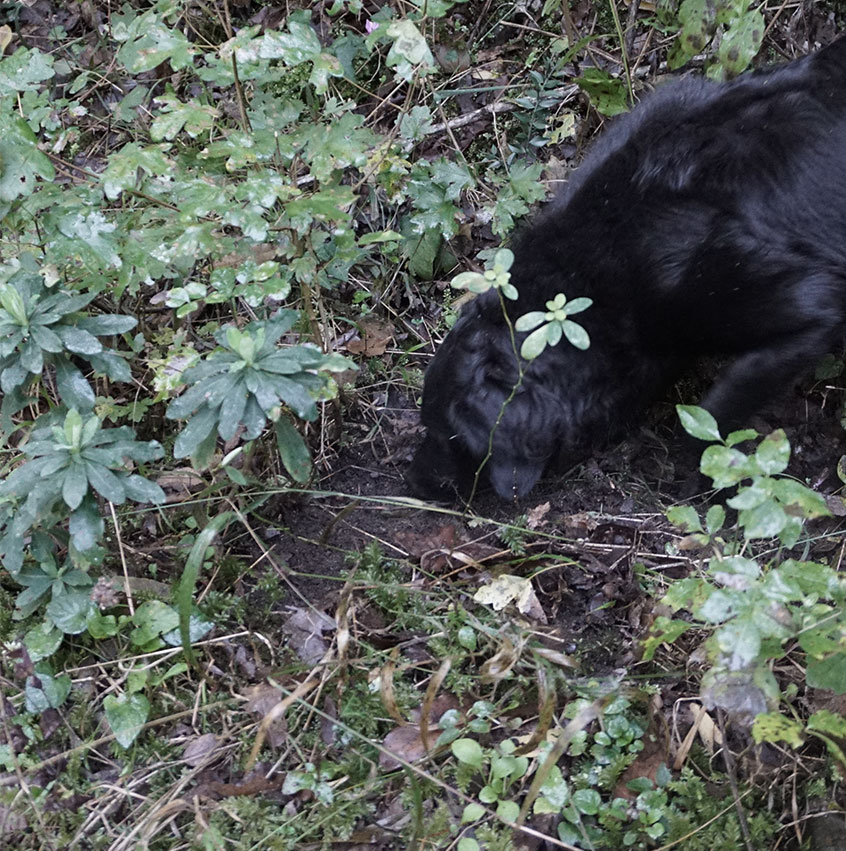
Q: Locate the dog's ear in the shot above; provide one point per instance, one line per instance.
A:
(512, 478)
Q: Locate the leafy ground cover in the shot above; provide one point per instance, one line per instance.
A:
(228, 232)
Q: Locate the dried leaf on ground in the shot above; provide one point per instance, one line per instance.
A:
(199, 749)
(305, 628)
(506, 589)
(375, 337)
(441, 549)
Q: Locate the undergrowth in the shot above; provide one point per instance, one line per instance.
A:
(204, 209)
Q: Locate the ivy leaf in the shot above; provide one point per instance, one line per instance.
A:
(126, 716)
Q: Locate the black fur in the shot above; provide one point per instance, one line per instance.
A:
(709, 221)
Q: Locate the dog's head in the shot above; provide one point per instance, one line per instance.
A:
(477, 422)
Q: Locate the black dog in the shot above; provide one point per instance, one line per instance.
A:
(710, 220)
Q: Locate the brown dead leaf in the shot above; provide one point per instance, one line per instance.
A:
(579, 525)
(180, 484)
(441, 549)
(375, 337)
(261, 701)
(200, 749)
(406, 743)
(535, 516)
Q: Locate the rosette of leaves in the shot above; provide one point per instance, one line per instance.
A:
(248, 381)
(40, 326)
(554, 323)
(497, 276)
(69, 464)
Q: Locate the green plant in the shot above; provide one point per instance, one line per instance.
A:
(247, 381)
(736, 25)
(43, 325)
(69, 463)
(756, 607)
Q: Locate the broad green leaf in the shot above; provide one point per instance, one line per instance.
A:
(85, 525)
(586, 801)
(21, 162)
(293, 450)
(530, 320)
(468, 751)
(774, 727)
(126, 716)
(199, 427)
(74, 485)
(741, 42)
(151, 619)
(157, 44)
(765, 521)
(45, 691)
(106, 483)
(70, 611)
(473, 812)
(698, 423)
(714, 519)
(724, 466)
(685, 517)
(828, 673)
(508, 810)
(773, 453)
(42, 641)
(24, 70)
(143, 490)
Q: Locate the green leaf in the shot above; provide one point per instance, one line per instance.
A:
(143, 490)
(78, 341)
(106, 483)
(576, 334)
(607, 94)
(529, 320)
(468, 751)
(534, 344)
(293, 450)
(45, 691)
(188, 580)
(21, 162)
(587, 801)
(126, 716)
(508, 810)
(765, 521)
(773, 453)
(714, 519)
(473, 812)
(828, 673)
(698, 423)
(24, 70)
(75, 391)
(70, 611)
(85, 525)
(724, 466)
(741, 42)
(151, 619)
(199, 427)
(685, 517)
(156, 44)
(409, 46)
(42, 641)
(74, 485)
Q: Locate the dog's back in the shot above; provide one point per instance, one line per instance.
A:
(710, 220)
